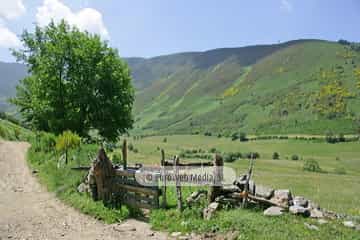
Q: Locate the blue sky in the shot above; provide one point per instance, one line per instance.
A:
(149, 28)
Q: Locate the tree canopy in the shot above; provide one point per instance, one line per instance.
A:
(76, 82)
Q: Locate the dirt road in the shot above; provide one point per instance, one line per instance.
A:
(28, 211)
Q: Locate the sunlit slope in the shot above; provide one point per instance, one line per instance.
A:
(275, 92)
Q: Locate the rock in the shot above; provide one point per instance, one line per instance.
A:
(176, 234)
(282, 197)
(183, 237)
(298, 210)
(300, 201)
(311, 227)
(210, 210)
(273, 211)
(124, 227)
(349, 224)
(264, 192)
(322, 221)
(232, 235)
(82, 188)
(196, 197)
(313, 205)
(151, 234)
(316, 213)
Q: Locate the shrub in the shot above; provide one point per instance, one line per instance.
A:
(275, 156)
(340, 170)
(213, 150)
(311, 165)
(294, 157)
(219, 135)
(229, 158)
(67, 141)
(242, 137)
(165, 140)
(234, 136)
(116, 158)
(3, 132)
(330, 138)
(341, 138)
(248, 155)
(130, 147)
(135, 150)
(207, 133)
(45, 142)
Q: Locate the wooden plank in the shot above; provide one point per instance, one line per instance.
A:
(163, 173)
(178, 186)
(125, 173)
(190, 164)
(144, 190)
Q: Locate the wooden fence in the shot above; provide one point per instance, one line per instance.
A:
(109, 182)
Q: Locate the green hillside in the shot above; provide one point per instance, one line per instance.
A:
(305, 86)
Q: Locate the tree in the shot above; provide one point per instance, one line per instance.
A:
(67, 141)
(76, 82)
(242, 137)
(275, 156)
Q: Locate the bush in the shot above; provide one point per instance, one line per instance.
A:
(340, 170)
(234, 136)
(3, 132)
(130, 147)
(165, 140)
(135, 150)
(275, 156)
(248, 155)
(294, 157)
(219, 135)
(341, 138)
(242, 137)
(116, 158)
(207, 133)
(311, 165)
(67, 141)
(213, 150)
(330, 138)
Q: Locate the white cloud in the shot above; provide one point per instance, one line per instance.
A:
(8, 39)
(286, 6)
(11, 9)
(86, 19)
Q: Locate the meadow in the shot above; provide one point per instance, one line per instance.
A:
(332, 189)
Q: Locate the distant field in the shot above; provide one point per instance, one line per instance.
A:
(333, 191)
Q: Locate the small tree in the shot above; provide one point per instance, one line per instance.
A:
(67, 141)
(275, 156)
(242, 137)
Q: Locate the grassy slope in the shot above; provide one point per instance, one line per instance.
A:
(200, 99)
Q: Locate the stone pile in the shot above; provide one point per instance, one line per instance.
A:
(278, 201)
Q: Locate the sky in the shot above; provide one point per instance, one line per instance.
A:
(147, 28)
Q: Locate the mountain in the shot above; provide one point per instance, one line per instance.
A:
(10, 74)
(303, 86)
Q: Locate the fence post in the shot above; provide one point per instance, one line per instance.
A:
(215, 189)
(163, 173)
(124, 153)
(248, 176)
(178, 186)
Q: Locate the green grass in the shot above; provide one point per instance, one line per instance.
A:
(332, 191)
(282, 173)
(13, 132)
